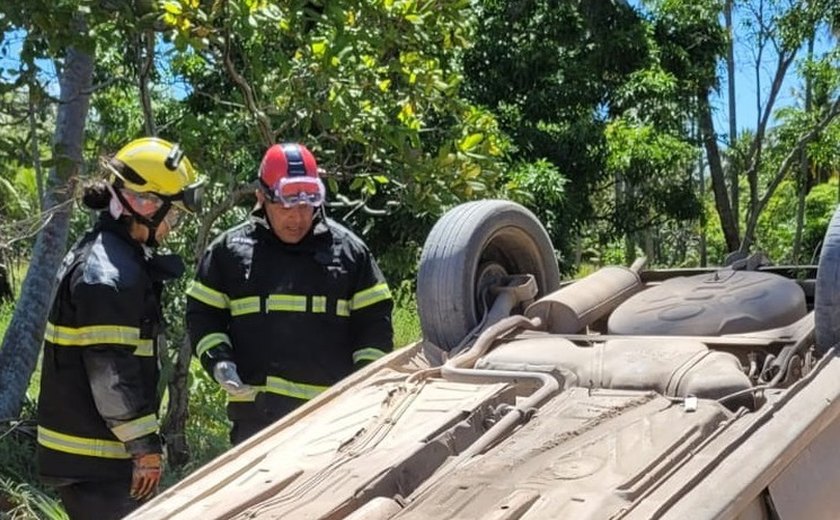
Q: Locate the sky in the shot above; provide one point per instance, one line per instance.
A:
(746, 84)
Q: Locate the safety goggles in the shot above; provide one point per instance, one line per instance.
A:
(191, 197)
(294, 191)
(148, 203)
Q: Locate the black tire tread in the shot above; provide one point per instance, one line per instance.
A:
(827, 292)
(445, 278)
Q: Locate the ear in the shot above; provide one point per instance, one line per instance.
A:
(260, 197)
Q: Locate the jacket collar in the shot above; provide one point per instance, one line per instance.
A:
(119, 228)
(161, 266)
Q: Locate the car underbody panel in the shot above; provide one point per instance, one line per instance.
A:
(627, 394)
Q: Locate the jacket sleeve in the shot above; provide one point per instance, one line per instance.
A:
(122, 394)
(372, 334)
(208, 310)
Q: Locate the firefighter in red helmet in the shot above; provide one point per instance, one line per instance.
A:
(288, 302)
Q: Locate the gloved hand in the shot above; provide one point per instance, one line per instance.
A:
(146, 475)
(224, 372)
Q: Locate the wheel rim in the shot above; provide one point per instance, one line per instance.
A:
(489, 273)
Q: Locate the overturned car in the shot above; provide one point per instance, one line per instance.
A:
(630, 393)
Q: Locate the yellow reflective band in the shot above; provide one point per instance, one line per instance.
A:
(248, 305)
(286, 302)
(250, 397)
(81, 445)
(207, 295)
(136, 428)
(98, 335)
(319, 304)
(342, 308)
(367, 354)
(145, 348)
(278, 385)
(375, 294)
(209, 341)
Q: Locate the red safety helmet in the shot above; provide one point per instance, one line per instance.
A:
(289, 175)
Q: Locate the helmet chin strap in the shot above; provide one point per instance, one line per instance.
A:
(151, 240)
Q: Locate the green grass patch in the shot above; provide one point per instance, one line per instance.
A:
(207, 426)
(23, 501)
(6, 310)
(406, 325)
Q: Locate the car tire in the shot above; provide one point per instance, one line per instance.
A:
(470, 246)
(827, 291)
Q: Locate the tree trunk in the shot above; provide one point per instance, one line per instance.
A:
(802, 187)
(25, 334)
(34, 144)
(145, 47)
(733, 127)
(5, 282)
(175, 426)
(707, 130)
(804, 169)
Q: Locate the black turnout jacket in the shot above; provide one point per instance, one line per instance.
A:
(294, 318)
(98, 401)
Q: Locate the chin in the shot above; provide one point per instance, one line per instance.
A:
(292, 238)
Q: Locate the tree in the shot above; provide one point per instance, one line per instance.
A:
(68, 32)
(24, 335)
(552, 72)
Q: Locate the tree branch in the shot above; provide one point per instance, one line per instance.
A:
(832, 112)
(36, 154)
(146, 63)
(361, 205)
(217, 210)
(263, 124)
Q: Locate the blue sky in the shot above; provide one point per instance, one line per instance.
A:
(746, 85)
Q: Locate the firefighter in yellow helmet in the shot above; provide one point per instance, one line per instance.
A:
(98, 440)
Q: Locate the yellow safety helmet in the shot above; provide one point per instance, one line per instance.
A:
(153, 165)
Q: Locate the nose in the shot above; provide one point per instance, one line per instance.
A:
(298, 214)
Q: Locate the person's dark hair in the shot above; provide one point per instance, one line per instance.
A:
(96, 195)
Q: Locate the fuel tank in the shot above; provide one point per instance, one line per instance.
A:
(722, 302)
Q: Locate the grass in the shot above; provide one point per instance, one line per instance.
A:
(405, 320)
(23, 501)
(22, 496)
(6, 310)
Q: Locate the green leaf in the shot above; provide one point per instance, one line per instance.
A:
(470, 142)
(173, 8)
(318, 49)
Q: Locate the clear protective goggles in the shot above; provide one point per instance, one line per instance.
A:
(149, 204)
(144, 203)
(295, 191)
